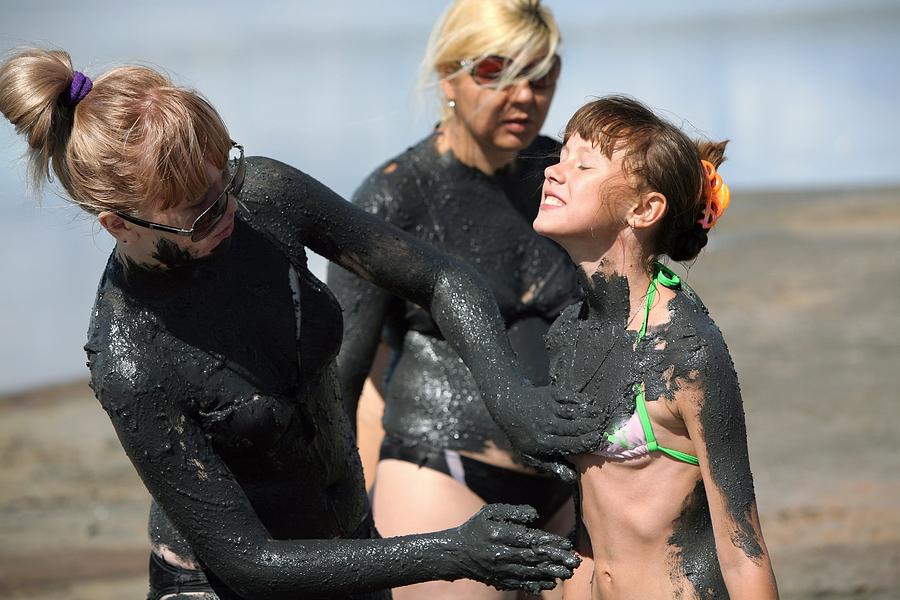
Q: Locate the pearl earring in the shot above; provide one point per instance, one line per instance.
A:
(451, 104)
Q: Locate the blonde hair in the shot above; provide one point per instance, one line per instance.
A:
(473, 29)
(135, 140)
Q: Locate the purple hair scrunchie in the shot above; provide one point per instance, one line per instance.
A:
(78, 89)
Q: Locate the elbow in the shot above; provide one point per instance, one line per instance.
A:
(458, 282)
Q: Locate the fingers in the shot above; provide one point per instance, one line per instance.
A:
(533, 539)
(509, 513)
(541, 555)
(558, 468)
(532, 587)
(544, 572)
(581, 424)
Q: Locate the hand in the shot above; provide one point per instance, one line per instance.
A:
(496, 548)
(544, 422)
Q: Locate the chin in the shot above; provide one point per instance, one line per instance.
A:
(514, 143)
(542, 227)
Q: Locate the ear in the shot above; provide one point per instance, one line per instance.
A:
(649, 210)
(448, 88)
(116, 226)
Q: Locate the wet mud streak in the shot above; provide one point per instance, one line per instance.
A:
(693, 550)
(170, 255)
(592, 351)
(431, 398)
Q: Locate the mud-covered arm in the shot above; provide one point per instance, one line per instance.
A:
(364, 304)
(199, 494)
(297, 210)
(364, 307)
(710, 404)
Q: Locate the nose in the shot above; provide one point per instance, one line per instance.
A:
(522, 92)
(554, 173)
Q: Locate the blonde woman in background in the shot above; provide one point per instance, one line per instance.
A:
(471, 188)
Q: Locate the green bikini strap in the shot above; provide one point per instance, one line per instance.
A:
(665, 276)
(661, 275)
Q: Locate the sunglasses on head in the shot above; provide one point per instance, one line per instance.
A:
(491, 70)
(207, 220)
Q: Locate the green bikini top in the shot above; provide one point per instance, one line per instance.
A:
(665, 276)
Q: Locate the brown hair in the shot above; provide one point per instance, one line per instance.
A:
(135, 140)
(657, 157)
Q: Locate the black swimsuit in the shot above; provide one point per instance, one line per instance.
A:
(433, 409)
(192, 349)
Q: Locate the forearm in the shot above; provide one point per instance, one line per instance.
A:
(750, 580)
(468, 317)
(327, 568)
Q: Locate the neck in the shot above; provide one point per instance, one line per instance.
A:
(624, 258)
(133, 257)
(470, 150)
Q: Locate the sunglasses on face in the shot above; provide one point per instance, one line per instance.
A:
(491, 70)
(207, 220)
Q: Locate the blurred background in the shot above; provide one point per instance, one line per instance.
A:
(802, 276)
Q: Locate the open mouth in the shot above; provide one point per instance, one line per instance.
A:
(549, 200)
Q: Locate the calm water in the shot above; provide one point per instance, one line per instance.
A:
(805, 90)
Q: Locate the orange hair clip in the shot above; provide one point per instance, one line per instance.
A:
(717, 196)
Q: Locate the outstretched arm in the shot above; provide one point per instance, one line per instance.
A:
(201, 497)
(299, 211)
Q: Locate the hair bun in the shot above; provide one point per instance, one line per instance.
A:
(31, 84)
(687, 244)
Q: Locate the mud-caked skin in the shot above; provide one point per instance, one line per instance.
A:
(219, 378)
(432, 399)
(593, 351)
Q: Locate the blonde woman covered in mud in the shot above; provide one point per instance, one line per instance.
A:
(667, 499)
(470, 188)
(212, 349)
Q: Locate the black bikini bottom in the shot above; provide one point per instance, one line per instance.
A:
(489, 482)
(168, 582)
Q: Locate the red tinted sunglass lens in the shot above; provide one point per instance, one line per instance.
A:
(208, 220)
(489, 69)
(549, 79)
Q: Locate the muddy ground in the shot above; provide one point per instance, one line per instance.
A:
(804, 286)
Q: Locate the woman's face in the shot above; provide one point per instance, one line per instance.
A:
(505, 119)
(585, 196)
(172, 249)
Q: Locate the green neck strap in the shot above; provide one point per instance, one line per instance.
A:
(661, 275)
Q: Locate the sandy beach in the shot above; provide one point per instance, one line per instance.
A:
(804, 286)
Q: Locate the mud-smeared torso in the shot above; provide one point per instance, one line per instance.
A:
(431, 397)
(592, 351)
(243, 345)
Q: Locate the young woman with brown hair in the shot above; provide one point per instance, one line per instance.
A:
(667, 499)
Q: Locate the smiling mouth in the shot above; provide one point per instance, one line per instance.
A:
(552, 201)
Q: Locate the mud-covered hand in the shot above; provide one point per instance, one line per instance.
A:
(496, 548)
(547, 422)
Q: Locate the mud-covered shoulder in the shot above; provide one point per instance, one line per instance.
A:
(687, 350)
(121, 338)
(392, 188)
